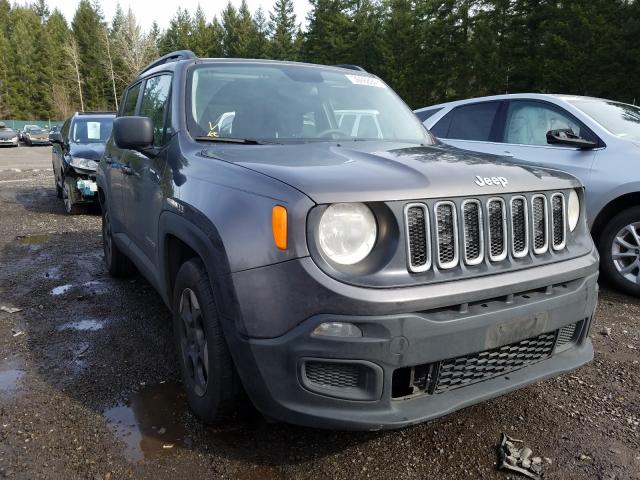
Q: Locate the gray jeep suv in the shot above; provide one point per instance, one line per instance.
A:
(341, 280)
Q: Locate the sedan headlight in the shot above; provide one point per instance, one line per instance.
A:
(84, 163)
(573, 210)
(347, 232)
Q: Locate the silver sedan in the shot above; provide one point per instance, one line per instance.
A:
(595, 139)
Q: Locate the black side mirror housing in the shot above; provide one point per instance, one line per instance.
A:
(133, 133)
(55, 137)
(567, 137)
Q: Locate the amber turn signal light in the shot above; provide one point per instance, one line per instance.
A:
(279, 226)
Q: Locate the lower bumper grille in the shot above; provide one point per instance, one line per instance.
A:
(440, 377)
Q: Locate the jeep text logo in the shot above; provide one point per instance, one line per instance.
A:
(487, 181)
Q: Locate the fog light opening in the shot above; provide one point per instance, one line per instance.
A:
(337, 329)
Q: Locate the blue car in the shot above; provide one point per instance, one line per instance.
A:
(596, 140)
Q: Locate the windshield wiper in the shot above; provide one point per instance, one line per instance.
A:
(242, 141)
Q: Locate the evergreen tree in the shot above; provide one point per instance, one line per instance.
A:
(178, 35)
(327, 38)
(259, 44)
(282, 30)
(88, 31)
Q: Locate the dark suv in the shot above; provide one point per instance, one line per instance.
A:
(77, 149)
(343, 279)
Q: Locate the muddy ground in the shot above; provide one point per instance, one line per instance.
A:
(89, 386)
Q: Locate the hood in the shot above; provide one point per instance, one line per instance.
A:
(382, 171)
(8, 134)
(90, 151)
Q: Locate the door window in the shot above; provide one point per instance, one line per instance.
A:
(527, 123)
(468, 122)
(129, 107)
(154, 105)
(425, 114)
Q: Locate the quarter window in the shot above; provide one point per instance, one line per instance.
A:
(425, 114)
(129, 107)
(154, 105)
(468, 122)
(527, 123)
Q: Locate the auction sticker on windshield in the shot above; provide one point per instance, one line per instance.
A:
(368, 81)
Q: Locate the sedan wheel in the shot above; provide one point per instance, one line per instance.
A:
(619, 246)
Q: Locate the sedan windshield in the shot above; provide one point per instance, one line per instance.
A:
(91, 130)
(621, 119)
(38, 131)
(296, 103)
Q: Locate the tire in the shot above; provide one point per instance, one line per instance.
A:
(208, 373)
(617, 239)
(117, 263)
(69, 197)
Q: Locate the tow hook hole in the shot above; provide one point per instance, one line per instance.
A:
(526, 296)
(484, 305)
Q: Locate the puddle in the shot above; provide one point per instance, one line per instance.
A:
(33, 239)
(61, 289)
(96, 286)
(151, 423)
(83, 325)
(10, 374)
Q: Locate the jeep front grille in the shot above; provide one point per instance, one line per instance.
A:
(514, 226)
(540, 231)
(447, 234)
(417, 231)
(558, 222)
(472, 232)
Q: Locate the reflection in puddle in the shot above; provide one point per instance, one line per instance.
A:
(61, 289)
(96, 286)
(33, 239)
(151, 424)
(10, 374)
(87, 325)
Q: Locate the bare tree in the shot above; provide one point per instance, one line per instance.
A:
(61, 102)
(113, 78)
(71, 49)
(133, 47)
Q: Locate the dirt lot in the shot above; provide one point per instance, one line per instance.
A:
(89, 386)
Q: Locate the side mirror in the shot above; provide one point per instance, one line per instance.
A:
(55, 137)
(567, 137)
(133, 133)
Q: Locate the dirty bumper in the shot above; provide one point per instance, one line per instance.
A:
(408, 368)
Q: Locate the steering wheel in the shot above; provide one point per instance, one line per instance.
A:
(331, 131)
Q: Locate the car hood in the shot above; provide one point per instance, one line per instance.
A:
(384, 171)
(90, 151)
(8, 135)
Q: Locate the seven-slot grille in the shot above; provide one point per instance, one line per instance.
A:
(515, 223)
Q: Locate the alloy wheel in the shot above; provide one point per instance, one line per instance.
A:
(193, 341)
(625, 252)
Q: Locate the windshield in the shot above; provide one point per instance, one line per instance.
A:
(288, 103)
(91, 130)
(37, 130)
(621, 119)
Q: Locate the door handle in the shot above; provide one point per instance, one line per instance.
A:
(126, 169)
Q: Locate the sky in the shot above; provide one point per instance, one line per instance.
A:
(146, 11)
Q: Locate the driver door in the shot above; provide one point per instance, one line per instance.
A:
(524, 133)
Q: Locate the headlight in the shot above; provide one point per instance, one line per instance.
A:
(573, 210)
(84, 163)
(347, 232)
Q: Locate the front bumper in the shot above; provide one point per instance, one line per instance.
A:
(39, 141)
(12, 142)
(366, 393)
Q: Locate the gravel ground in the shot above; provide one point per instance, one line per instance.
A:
(89, 386)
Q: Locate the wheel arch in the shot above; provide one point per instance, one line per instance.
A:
(188, 235)
(611, 209)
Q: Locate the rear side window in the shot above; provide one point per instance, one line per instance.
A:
(468, 122)
(154, 104)
(425, 114)
(129, 107)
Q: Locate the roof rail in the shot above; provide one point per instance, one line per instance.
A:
(351, 67)
(168, 58)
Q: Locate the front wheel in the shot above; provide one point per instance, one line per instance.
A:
(208, 372)
(70, 197)
(620, 251)
(117, 263)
